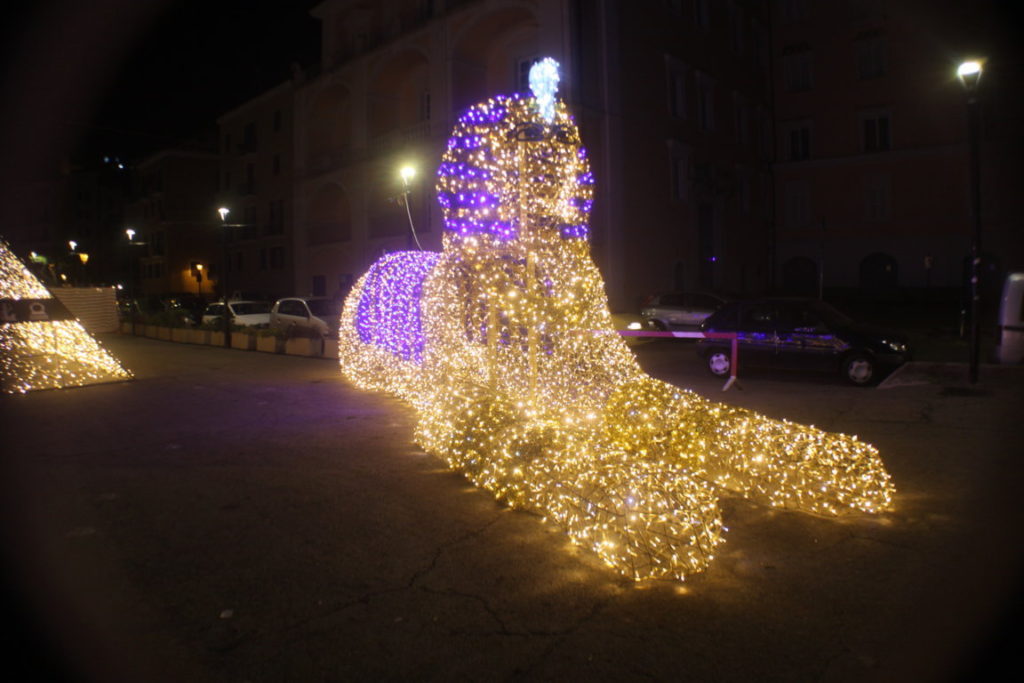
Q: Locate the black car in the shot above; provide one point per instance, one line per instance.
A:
(801, 333)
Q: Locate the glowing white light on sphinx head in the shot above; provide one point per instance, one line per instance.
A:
(544, 85)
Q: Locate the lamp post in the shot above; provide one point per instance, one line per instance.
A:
(408, 173)
(224, 211)
(969, 73)
(133, 268)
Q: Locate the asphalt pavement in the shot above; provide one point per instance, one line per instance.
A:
(238, 516)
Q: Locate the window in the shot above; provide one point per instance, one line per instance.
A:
(875, 127)
(877, 191)
(276, 258)
(275, 219)
(277, 164)
(425, 105)
(798, 141)
(793, 10)
(736, 27)
(743, 190)
(679, 160)
(277, 120)
(705, 102)
(263, 259)
(871, 56)
(702, 14)
(319, 285)
(677, 90)
(250, 178)
(797, 204)
(797, 68)
(249, 137)
(741, 122)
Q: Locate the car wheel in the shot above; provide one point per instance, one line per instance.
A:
(859, 369)
(719, 362)
(657, 326)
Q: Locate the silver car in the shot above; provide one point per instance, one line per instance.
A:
(306, 316)
(679, 310)
(244, 313)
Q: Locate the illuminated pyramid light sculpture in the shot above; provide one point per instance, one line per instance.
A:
(42, 346)
(504, 344)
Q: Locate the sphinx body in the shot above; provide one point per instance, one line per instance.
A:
(504, 345)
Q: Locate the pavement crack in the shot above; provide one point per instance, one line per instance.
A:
(444, 547)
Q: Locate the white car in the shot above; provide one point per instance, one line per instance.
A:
(297, 315)
(244, 313)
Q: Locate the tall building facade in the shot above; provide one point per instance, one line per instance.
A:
(873, 183)
(175, 230)
(257, 187)
(672, 104)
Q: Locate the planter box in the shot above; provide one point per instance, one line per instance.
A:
(150, 331)
(197, 336)
(303, 346)
(164, 333)
(215, 338)
(269, 344)
(180, 335)
(243, 341)
(126, 327)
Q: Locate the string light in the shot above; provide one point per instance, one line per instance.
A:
(505, 346)
(41, 345)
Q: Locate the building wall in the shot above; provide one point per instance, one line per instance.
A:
(871, 208)
(173, 217)
(257, 186)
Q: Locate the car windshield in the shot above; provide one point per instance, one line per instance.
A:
(829, 315)
(250, 307)
(324, 307)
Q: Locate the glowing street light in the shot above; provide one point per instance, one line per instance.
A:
(969, 73)
(408, 172)
(73, 244)
(224, 211)
(131, 234)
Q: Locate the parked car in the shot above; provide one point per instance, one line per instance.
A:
(801, 333)
(679, 310)
(245, 313)
(298, 315)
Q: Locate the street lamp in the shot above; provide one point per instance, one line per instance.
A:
(969, 73)
(224, 211)
(133, 275)
(408, 173)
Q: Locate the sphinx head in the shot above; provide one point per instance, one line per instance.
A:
(516, 172)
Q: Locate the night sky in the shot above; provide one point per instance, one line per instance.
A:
(129, 77)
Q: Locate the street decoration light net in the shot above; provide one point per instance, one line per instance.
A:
(42, 346)
(504, 345)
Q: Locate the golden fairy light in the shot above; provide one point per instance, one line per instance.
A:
(42, 346)
(503, 342)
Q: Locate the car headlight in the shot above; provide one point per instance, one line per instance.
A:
(635, 326)
(898, 347)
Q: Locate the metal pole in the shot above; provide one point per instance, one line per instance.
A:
(975, 133)
(224, 291)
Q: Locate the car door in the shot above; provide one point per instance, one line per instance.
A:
(756, 333)
(292, 314)
(804, 340)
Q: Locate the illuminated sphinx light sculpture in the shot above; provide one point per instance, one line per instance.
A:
(504, 345)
